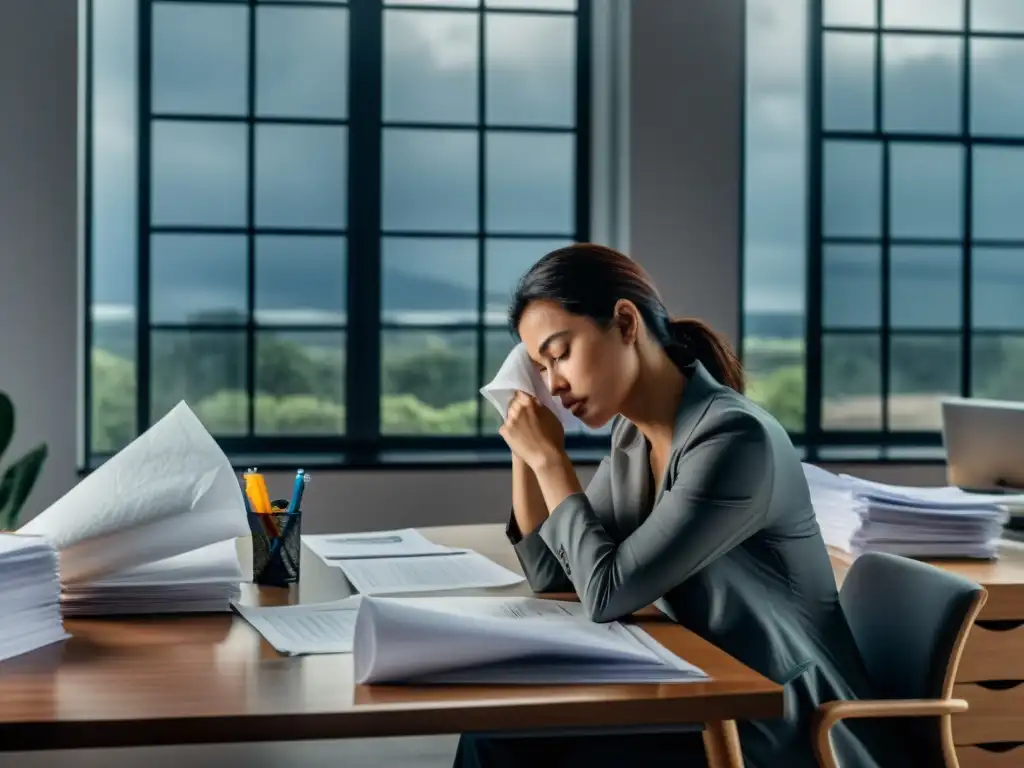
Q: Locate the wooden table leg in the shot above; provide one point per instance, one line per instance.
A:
(722, 744)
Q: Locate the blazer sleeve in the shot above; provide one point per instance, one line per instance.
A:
(543, 571)
(717, 501)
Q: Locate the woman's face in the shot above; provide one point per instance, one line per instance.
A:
(590, 369)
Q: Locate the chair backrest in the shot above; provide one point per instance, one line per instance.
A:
(910, 621)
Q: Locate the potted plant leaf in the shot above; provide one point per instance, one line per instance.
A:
(17, 480)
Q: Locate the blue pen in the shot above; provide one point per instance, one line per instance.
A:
(300, 483)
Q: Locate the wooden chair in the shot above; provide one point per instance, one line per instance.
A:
(910, 621)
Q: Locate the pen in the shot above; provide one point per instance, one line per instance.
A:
(300, 482)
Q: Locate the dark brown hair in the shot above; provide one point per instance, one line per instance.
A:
(587, 279)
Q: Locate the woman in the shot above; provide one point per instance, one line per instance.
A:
(702, 508)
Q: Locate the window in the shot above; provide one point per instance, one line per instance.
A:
(914, 248)
(305, 218)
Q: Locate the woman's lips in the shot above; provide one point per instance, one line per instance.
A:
(577, 408)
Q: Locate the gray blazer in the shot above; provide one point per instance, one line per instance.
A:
(729, 548)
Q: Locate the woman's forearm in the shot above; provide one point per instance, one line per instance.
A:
(527, 500)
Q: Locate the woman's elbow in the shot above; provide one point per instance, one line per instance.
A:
(601, 604)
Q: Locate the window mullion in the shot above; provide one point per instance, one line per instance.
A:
(363, 355)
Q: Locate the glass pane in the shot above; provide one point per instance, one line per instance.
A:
(922, 83)
(198, 279)
(301, 176)
(997, 367)
(997, 283)
(998, 192)
(926, 190)
(507, 261)
(199, 174)
(431, 66)
(430, 180)
(776, 377)
(498, 342)
(206, 369)
(300, 383)
(466, 3)
(429, 281)
(114, 219)
(851, 382)
(302, 62)
(852, 189)
(429, 383)
(849, 81)
(301, 280)
(531, 180)
(849, 13)
(923, 370)
(852, 296)
(200, 58)
(997, 16)
(554, 5)
(538, 89)
(932, 14)
(926, 290)
(997, 106)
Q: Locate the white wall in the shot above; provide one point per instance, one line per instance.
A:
(38, 236)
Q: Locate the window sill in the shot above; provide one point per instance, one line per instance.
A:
(389, 460)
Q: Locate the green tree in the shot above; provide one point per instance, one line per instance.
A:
(113, 402)
(781, 393)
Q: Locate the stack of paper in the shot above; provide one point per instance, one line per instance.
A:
(153, 529)
(405, 561)
(30, 600)
(858, 516)
(498, 640)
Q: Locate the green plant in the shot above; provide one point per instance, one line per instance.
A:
(17, 481)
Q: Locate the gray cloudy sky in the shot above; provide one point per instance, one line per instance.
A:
(430, 179)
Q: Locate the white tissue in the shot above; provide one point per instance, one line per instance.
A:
(170, 491)
(518, 374)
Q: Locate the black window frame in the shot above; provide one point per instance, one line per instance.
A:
(886, 444)
(362, 444)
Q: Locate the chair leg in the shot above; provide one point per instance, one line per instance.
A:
(722, 744)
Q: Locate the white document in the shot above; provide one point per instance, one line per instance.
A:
(858, 516)
(398, 575)
(519, 374)
(407, 542)
(305, 629)
(30, 614)
(502, 640)
(170, 491)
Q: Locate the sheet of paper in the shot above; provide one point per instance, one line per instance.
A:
(476, 638)
(385, 576)
(407, 542)
(519, 374)
(170, 491)
(305, 629)
(213, 563)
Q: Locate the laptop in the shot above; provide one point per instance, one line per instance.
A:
(984, 442)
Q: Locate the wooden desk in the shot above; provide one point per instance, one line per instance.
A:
(212, 679)
(991, 673)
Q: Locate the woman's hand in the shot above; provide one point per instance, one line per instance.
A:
(533, 432)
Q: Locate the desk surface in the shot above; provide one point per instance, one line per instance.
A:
(1002, 578)
(203, 679)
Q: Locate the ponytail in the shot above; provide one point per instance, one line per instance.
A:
(696, 340)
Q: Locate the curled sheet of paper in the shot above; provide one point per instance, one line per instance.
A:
(170, 491)
(518, 374)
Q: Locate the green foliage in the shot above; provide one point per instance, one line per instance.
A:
(781, 393)
(19, 478)
(428, 381)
